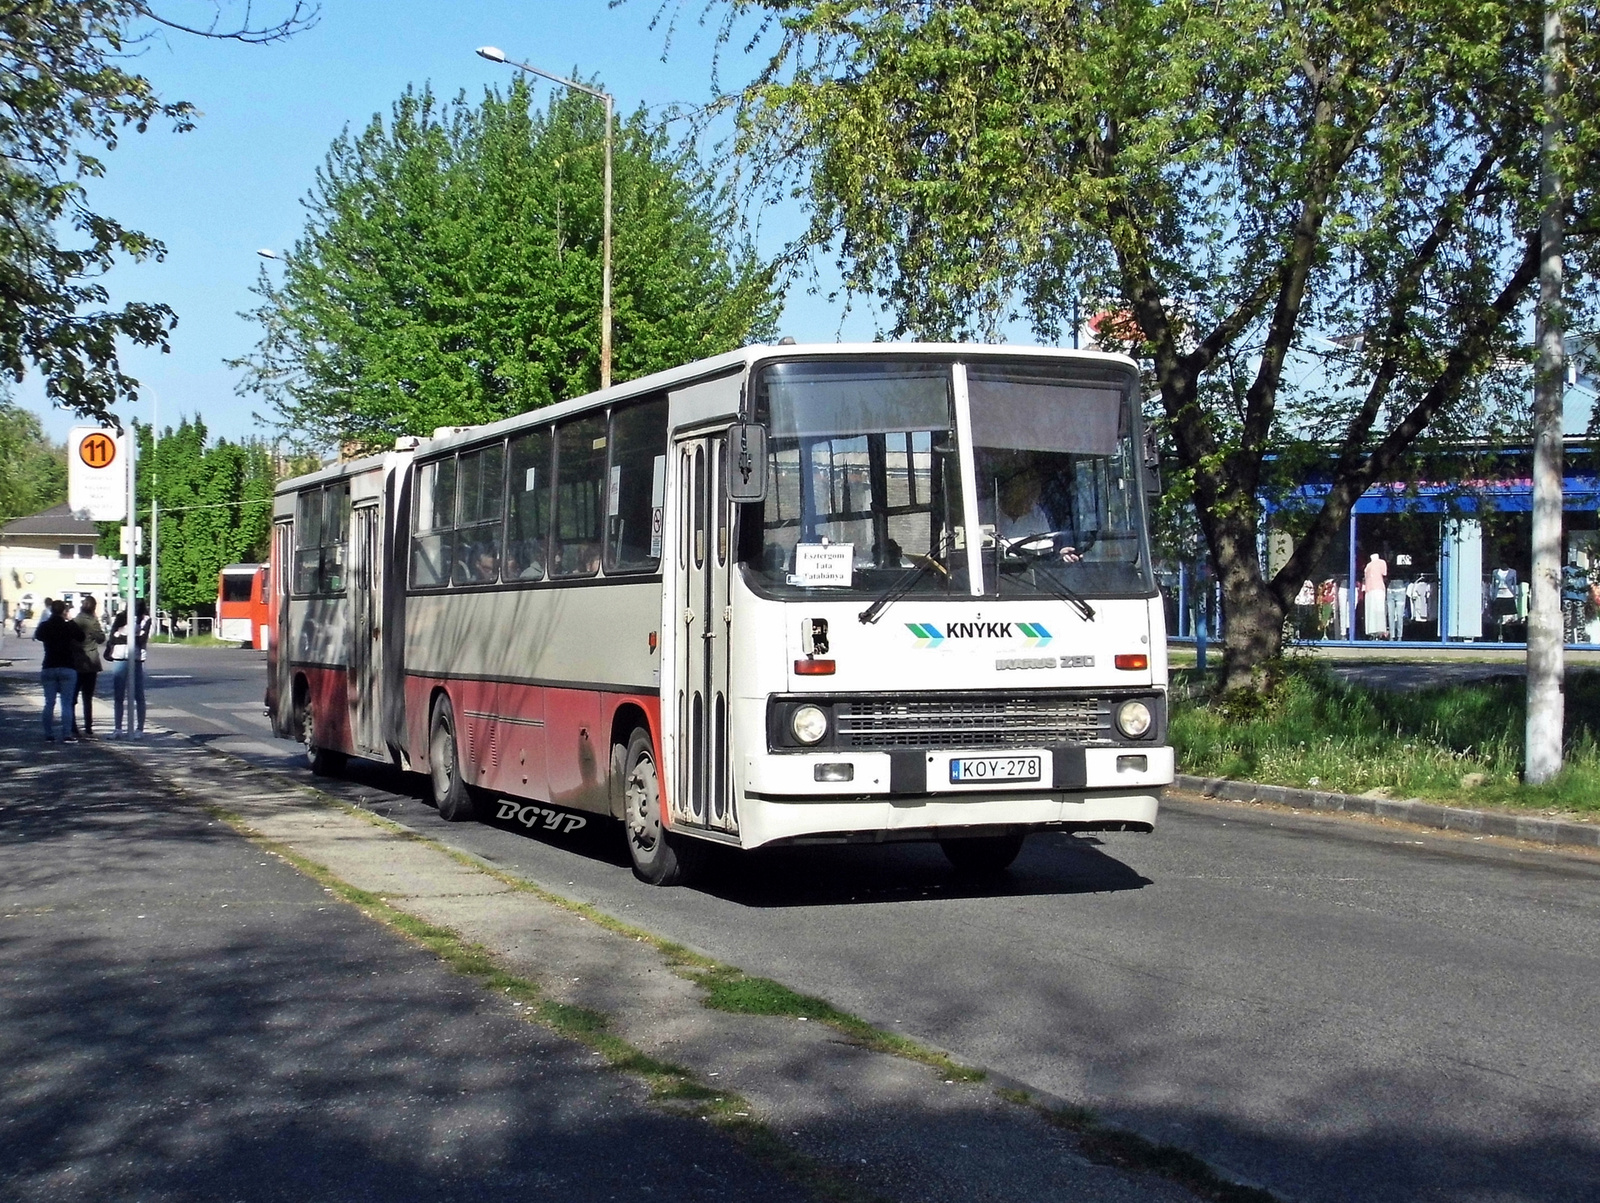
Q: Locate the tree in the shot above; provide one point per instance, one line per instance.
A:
(214, 507)
(66, 96)
(33, 470)
(450, 269)
(1228, 178)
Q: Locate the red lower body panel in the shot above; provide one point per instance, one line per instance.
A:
(529, 741)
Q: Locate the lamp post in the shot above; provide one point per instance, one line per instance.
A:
(495, 55)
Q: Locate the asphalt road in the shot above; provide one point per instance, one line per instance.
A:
(1338, 1010)
(186, 1018)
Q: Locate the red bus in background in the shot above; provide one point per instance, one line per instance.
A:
(242, 605)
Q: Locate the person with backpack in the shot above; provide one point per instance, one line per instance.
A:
(59, 674)
(87, 660)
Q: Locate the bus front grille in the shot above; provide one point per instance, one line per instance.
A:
(967, 722)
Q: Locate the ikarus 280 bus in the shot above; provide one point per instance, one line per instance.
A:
(788, 595)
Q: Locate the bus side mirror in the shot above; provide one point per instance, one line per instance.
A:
(746, 468)
(1152, 464)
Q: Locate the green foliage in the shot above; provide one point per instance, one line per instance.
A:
(450, 269)
(66, 96)
(214, 508)
(33, 470)
(1233, 185)
(1309, 729)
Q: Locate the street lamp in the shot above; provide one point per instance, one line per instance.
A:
(495, 55)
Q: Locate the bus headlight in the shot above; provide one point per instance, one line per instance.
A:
(808, 724)
(1133, 718)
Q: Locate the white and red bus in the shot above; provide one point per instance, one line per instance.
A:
(787, 595)
(242, 605)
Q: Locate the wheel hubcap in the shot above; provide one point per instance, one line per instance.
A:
(643, 796)
(444, 760)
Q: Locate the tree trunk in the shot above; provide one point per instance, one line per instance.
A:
(1546, 654)
(1252, 612)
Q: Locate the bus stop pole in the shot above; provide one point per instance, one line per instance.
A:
(131, 601)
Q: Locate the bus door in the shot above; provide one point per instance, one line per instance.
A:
(281, 649)
(366, 653)
(703, 796)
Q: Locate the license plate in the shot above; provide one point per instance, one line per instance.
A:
(976, 770)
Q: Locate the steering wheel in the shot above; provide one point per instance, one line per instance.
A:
(926, 562)
(1025, 545)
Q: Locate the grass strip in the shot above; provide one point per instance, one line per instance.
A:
(1460, 743)
(670, 1084)
(727, 988)
(1125, 1150)
(733, 990)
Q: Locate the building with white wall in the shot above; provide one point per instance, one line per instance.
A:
(51, 555)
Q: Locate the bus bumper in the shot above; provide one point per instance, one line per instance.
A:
(784, 802)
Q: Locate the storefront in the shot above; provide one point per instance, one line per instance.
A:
(1424, 564)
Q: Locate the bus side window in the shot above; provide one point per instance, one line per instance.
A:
(528, 511)
(433, 514)
(635, 484)
(580, 489)
(307, 540)
(480, 485)
(335, 535)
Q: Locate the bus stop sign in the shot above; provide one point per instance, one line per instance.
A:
(97, 473)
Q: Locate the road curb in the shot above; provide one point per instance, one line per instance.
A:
(1534, 828)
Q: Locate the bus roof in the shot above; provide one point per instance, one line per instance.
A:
(702, 369)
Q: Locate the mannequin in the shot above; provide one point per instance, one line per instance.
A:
(1374, 579)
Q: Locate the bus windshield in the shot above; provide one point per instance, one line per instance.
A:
(1060, 501)
(864, 489)
(863, 477)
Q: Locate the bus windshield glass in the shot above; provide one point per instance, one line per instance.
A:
(1059, 495)
(864, 491)
(863, 478)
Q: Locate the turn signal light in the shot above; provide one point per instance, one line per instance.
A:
(814, 668)
(1133, 663)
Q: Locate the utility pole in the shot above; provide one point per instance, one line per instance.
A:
(1546, 653)
(495, 55)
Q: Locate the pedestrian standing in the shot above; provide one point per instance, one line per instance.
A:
(126, 649)
(59, 675)
(88, 662)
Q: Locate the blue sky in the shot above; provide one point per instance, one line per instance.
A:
(268, 115)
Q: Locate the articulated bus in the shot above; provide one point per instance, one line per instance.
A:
(787, 595)
(242, 605)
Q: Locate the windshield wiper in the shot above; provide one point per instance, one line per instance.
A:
(1055, 586)
(905, 585)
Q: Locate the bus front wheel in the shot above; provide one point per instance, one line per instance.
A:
(450, 793)
(984, 855)
(657, 857)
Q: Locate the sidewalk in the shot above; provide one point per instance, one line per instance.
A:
(187, 1014)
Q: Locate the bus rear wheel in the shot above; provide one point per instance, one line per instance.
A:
(984, 855)
(323, 762)
(450, 792)
(658, 857)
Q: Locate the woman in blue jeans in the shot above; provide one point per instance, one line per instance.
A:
(59, 676)
(121, 657)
